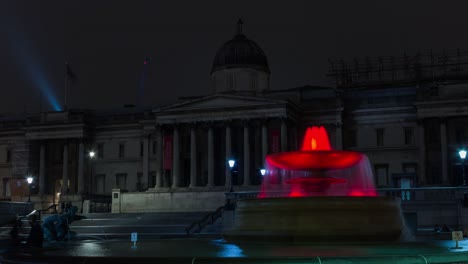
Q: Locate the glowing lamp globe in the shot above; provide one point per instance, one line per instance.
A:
(462, 154)
(231, 163)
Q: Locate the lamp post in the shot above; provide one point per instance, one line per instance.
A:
(29, 180)
(263, 173)
(91, 155)
(231, 164)
(462, 154)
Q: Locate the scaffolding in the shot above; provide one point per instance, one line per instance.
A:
(421, 67)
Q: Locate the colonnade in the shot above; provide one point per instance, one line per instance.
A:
(65, 169)
(247, 158)
(245, 152)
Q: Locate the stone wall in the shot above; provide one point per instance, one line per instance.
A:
(136, 202)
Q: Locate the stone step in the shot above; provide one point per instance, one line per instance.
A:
(105, 225)
(162, 215)
(124, 222)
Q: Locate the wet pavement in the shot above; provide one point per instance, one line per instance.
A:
(218, 251)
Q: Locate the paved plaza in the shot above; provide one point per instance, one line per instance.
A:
(220, 251)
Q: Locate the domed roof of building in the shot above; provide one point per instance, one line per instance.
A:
(240, 52)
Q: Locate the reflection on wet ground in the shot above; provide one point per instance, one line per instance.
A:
(223, 249)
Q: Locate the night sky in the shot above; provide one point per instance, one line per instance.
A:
(106, 42)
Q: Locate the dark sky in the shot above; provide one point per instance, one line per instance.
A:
(106, 42)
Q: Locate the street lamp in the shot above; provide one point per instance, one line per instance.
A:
(29, 180)
(91, 155)
(462, 154)
(231, 164)
(262, 172)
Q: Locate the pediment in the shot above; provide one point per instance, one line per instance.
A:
(220, 102)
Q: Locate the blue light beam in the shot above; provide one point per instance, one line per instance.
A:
(27, 62)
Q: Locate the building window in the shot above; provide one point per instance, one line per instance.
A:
(6, 187)
(121, 180)
(380, 136)
(152, 179)
(121, 150)
(8, 155)
(351, 138)
(141, 149)
(155, 146)
(409, 136)
(381, 174)
(139, 183)
(100, 150)
(100, 183)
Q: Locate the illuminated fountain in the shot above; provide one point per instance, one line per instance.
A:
(317, 194)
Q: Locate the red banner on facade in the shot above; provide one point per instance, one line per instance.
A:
(274, 140)
(167, 160)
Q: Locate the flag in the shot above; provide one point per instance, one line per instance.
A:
(167, 162)
(70, 74)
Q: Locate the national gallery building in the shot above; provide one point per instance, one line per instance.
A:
(408, 114)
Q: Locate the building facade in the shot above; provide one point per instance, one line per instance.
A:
(408, 114)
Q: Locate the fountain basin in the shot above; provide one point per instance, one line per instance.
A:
(317, 219)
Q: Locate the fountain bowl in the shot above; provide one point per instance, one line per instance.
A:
(317, 219)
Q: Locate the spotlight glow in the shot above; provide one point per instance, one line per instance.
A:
(29, 62)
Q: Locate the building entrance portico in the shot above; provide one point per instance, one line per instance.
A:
(204, 133)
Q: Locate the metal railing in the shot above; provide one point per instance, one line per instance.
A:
(52, 208)
(405, 194)
(426, 194)
(209, 218)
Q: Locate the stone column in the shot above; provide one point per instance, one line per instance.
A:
(339, 136)
(228, 156)
(159, 151)
(145, 156)
(193, 157)
(422, 153)
(284, 136)
(42, 170)
(65, 170)
(246, 155)
(175, 159)
(284, 147)
(81, 180)
(443, 148)
(210, 157)
(264, 142)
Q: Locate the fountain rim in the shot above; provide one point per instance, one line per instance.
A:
(322, 197)
(316, 159)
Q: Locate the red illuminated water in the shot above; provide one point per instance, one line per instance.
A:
(317, 170)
